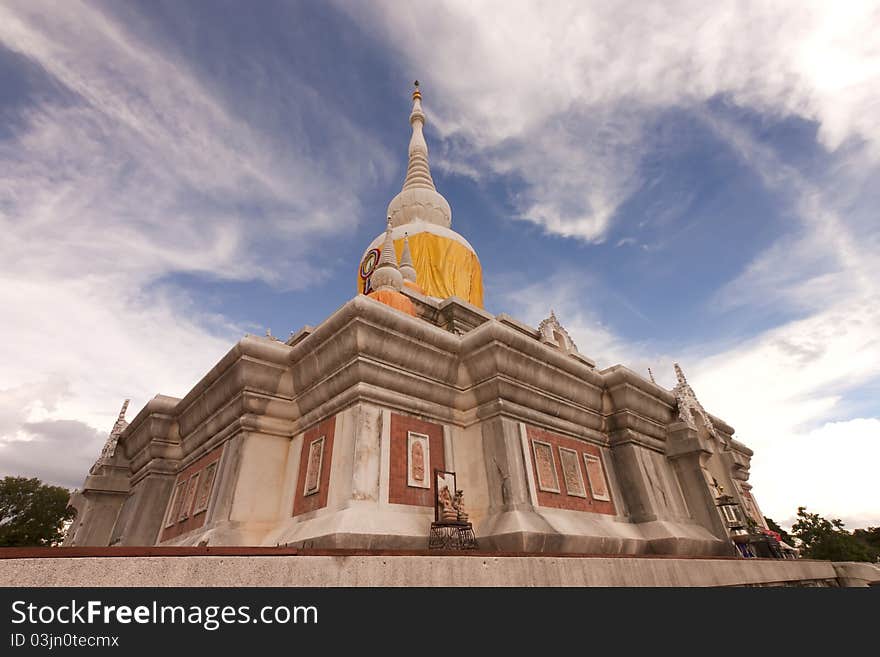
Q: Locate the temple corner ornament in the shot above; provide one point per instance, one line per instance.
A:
(689, 407)
(552, 332)
(109, 448)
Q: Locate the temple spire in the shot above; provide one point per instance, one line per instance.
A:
(387, 280)
(387, 273)
(419, 199)
(407, 269)
(418, 171)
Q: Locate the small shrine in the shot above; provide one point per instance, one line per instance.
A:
(451, 529)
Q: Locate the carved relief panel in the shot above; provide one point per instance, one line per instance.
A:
(314, 467)
(566, 471)
(192, 495)
(205, 485)
(418, 465)
(596, 475)
(571, 472)
(545, 465)
(313, 472)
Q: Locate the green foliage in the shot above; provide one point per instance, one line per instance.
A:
(32, 513)
(827, 539)
(869, 536)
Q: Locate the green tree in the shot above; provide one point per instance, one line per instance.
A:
(32, 513)
(786, 537)
(827, 539)
(869, 536)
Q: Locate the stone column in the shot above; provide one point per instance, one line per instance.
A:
(634, 486)
(260, 480)
(512, 522)
(141, 518)
(689, 452)
(367, 453)
(103, 495)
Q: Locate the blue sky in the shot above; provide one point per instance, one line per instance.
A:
(681, 183)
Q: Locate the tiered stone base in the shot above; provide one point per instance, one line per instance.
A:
(352, 568)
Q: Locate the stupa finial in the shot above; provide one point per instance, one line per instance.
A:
(418, 172)
(387, 273)
(419, 199)
(387, 281)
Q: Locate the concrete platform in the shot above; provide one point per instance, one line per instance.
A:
(357, 569)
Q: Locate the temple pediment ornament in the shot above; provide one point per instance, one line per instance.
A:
(690, 408)
(552, 332)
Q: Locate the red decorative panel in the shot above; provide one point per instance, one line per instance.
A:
(314, 468)
(572, 479)
(398, 490)
(190, 495)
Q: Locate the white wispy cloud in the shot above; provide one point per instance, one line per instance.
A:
(147, 159)
(565, 291)
(783, 387)
(132, 167)
(563, 96)
(780, 388)
(830, 469)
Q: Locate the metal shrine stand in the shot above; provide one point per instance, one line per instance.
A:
(452, 536)
(449, 534)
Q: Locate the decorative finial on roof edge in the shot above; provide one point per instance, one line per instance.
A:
(679, 374)
(387, 273)
(120, 419)
(110, 446)
(689, 406)
(407, 269)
